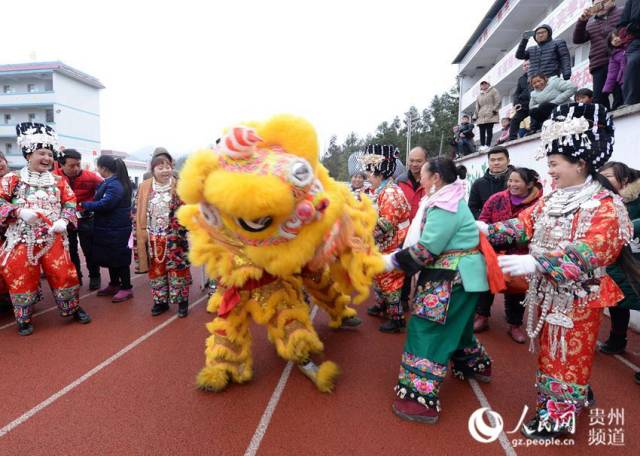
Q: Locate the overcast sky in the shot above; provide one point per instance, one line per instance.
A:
(175, 75)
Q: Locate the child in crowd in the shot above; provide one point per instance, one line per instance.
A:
(463, 137)
(504, 133)
(617, 42)
(584, 96)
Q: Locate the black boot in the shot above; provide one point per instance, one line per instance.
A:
(376, 311)
(81, 316)
(25, 329)
(533, 430)
(159, 309)
(183, 309)
(392, 326)
(94, 283)
(614, 345)
(636, 377)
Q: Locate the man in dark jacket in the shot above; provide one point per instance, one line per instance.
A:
(550, 57)
(494, 180)
(520, 101)
(594, 28)
(631, 85)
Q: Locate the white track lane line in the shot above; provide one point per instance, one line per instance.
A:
(505, 443)
(627, 363)
(71, 386)
(261, 430)
(49, 309)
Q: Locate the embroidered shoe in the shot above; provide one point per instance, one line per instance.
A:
(159, 309)
(109, 290)
(412, 411)
(122, 296)
(25, 329)
(376, 311)
(517, 334)
(533, 430)
(183, 309)
(81, 316)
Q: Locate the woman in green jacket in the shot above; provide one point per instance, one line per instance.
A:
(442, 245)
(626, 182)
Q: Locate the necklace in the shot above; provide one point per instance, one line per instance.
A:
(158, 218)
(554, 229)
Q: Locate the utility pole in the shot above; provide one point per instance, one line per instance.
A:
(409, 119)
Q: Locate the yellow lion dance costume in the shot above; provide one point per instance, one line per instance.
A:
(267, 221)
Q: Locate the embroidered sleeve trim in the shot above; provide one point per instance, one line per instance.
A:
(573, 263)
(508, 232)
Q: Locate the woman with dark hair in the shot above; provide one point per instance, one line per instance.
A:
(626, 181)
(443, 246)
(160, 242)
(391, 228)
(574, 233)
(112, 227)
(523, 190)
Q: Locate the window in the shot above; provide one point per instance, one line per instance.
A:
(7, 119)
(32, 117)
(8, 148)
(6, 89)
(48, 86)
(49, 115)
(31, 88)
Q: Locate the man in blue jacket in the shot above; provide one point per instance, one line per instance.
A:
(550, 57)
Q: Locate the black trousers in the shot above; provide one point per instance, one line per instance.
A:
(120, 277)
(513, 309)
(518, 117)
(599, 76)
(539, 114)
(619, 320)
(84, 234)
(486, 133)
(631, 84)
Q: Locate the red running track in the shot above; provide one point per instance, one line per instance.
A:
(143, 399)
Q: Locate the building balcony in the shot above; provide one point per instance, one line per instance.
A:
(16, 100)
(504, 74)
(9, 130)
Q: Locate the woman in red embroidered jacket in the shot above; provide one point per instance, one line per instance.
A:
(574, 233)
(37, 207)
(523, 190)
(394, 217)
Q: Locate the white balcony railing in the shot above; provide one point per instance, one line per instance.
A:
(27, 99)
(563, 17)
(7, 131)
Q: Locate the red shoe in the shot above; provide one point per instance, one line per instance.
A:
(517, 334)
(412, 411)
(122, 295)
(109, 290)
(480, 323)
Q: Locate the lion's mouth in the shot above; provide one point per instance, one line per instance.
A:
(255, 226)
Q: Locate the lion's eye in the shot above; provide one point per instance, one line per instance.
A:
(301, 173)
(255, 226)
(210, 215)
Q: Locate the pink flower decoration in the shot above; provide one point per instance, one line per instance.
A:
(570, 271)
(431, 301)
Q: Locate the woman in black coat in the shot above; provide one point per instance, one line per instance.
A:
(112, 227)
